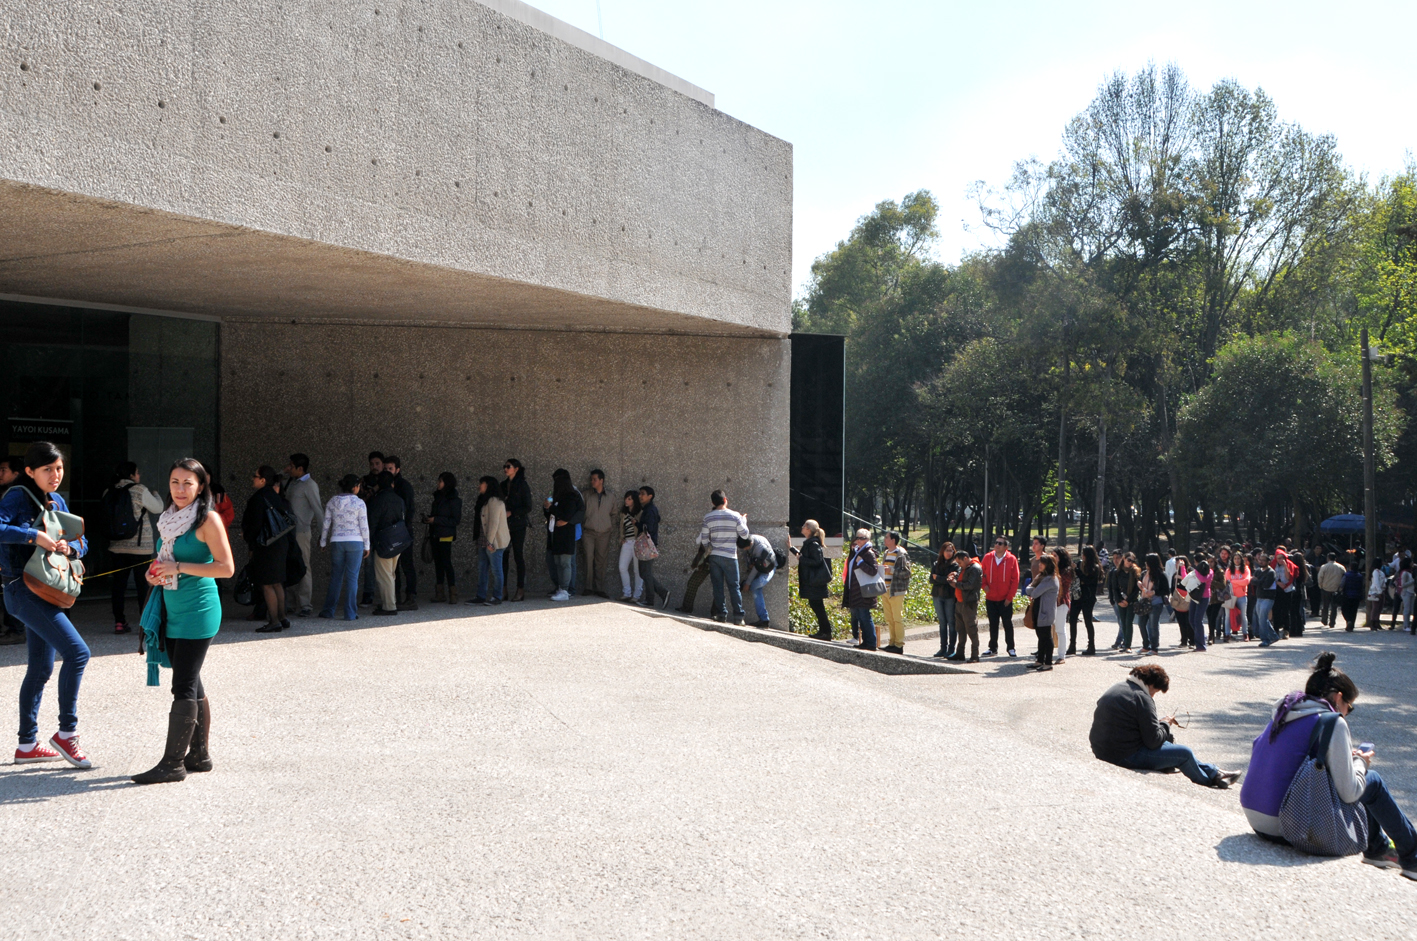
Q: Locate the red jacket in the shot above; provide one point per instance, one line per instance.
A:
(1000, 577)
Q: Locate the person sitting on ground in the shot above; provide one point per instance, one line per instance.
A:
(1126, 731)
(1280, 751)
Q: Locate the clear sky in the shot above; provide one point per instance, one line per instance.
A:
(883, 97)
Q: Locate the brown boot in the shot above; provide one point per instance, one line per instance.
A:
(452, 594)
(197, 757)
(438, 593)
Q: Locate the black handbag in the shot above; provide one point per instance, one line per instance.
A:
(278, 524)
(392, 540)
(244, 594)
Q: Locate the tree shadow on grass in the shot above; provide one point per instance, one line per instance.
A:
(35, 786)
(1253, 850)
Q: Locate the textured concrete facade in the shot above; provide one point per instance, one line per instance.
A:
(454, 230)
(308, 156)
(685, 415)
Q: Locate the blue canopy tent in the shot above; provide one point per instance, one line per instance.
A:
(1344, 524)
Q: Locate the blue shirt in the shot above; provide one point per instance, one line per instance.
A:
(17, 532)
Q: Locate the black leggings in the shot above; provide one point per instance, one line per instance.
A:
(515, 551)
(443, 563)
(824, 623)
(187, 657)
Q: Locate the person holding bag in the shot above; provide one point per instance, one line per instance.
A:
(1043, 592)
(391, 539)
(27, 545)
(181, 618)
(1308, 732)
(264, 527)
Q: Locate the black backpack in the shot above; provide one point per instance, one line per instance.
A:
(118, 512)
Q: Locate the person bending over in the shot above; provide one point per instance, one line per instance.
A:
(1127, 731)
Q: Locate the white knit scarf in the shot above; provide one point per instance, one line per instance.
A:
(170, 526)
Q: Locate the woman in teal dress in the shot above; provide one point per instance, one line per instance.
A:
(185, 615)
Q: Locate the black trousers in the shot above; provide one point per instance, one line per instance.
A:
(118, 583)
(819, 608)
(1084, 608)
(187, 657)
(407, 572)
(1045, 643)
(696, 581)
(1000, 612)
(1212, 620)
(1280, 613)
(443, 563)
(515, 550)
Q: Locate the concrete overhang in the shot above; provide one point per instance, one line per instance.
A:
(66, 246)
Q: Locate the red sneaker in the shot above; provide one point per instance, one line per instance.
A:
(38, 753)
(70, 752)
(122, 627)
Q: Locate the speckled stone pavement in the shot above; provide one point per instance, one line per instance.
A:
(590, 771)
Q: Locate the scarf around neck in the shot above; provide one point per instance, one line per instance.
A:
(171, 525)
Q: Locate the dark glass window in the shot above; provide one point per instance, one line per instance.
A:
(108, 387)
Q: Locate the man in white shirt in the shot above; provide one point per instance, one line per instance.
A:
(303, 494)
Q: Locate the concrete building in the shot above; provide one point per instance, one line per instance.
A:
(455, 230)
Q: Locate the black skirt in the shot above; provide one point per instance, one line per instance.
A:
(268, 564)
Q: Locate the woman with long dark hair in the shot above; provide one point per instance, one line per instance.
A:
(1065, 575)
(1154, 589)
(1043, 592)
(48, 630)
(942, 594)
(630, 584)
(493, 537)
(267, 568)
(185, 614)
(1088, 575)
(443, 521)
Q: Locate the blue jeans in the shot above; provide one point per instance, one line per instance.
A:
(345, 558)
(1261, 626)
(1171, 755)
(564, 580)
(489, 573)
(723, 574)
(1197, 618)
(756, 587)
(1151, 630)
(945, 614)
(1117, 613)
(1384, 816)
(48, 632)
(1125, 617)
(861, 621)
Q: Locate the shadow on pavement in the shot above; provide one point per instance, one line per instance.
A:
(36, 785)
(1251, 850)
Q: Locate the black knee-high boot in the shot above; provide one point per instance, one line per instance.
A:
(197, 757)
(180, 723)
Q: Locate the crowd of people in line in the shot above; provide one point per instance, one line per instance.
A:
(1214, 595)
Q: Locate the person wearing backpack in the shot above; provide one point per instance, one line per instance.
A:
(268, 548)
(48, 630)
(762, 565)
(127, 507)
(1310, 726)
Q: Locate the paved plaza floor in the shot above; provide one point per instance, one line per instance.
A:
(594, 771)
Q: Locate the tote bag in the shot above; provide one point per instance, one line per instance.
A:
(1312, 817)
(53, 576)
(870, 586)
(645, 549)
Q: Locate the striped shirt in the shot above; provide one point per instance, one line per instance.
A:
(720, 532)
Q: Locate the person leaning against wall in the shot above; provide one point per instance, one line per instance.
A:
(516, 495)
(600, 511)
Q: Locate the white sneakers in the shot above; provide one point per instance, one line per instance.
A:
(561, 595)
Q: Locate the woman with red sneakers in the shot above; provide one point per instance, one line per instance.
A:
(48, 630)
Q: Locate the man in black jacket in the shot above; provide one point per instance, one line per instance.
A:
(407, 571)
(1126, 731)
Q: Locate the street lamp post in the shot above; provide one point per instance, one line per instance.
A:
(1370, 519)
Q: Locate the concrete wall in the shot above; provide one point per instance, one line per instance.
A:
(684, 414)
(438, 132)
